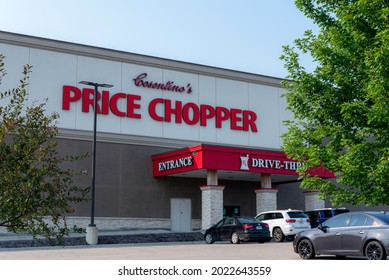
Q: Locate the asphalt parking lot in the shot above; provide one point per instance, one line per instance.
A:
(157, 251)
(160, 251)
(105, 261)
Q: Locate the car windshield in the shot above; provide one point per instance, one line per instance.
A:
(297, 215)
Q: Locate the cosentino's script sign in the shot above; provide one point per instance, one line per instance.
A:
(160, 109)
(168, 86)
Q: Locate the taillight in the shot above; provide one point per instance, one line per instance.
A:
(308, 220)
(266, 225)
(247, 226)
(290, 220)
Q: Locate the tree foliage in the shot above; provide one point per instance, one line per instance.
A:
(341, 108)
(34, 183)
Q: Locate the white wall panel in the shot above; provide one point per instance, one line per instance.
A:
(146, 125)
(50, 72)
(207, 95)
(99, 71)
(231, 94)
(181, 130)
(53, 70)
(284, 114)
(264, 101)
(15, 58)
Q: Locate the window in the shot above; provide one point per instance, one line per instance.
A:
(261, 217)
(370, 222)
(327, 213)
(384, 217)
(312, 214)
(247, 220)
(278, 216)
(230, 222)
(231, 211)
(296, 215)
(269, 216)
(357, 221)
(221, 223)
(338, 221)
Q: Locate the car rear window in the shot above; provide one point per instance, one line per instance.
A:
(383, 217)
(297, 215)
(247, 220)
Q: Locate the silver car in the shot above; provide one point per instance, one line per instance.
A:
(355, 233)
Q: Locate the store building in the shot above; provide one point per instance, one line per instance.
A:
(179, 144)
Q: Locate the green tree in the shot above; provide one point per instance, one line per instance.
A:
(341, 107)
(34, 183)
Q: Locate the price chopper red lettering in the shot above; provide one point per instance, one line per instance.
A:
(159, 109)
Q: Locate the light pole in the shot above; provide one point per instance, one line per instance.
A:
(92, 230)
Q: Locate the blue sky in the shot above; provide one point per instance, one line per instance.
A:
(244, 35)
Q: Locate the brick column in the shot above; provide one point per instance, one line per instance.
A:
(212, 205)
(266, 196)
(312, 201)
(266, 199)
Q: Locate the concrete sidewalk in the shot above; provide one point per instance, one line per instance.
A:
(123, 236)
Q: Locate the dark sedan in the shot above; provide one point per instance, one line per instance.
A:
(350, 234)
(236, 229)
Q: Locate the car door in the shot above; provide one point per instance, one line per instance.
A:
(217, 230)
(355, 233)
(329, 239)
(227, 228)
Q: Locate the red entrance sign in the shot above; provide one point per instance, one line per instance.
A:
(227, 158)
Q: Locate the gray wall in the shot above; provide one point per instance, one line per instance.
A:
(126, 188)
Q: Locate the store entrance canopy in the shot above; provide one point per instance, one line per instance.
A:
(248, 162)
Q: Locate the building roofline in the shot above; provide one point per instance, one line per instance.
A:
(128, 57)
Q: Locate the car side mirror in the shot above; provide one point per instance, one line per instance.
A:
(322, 227)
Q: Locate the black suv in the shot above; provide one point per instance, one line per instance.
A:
(319, 216)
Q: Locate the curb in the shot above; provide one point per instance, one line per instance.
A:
(109, 239)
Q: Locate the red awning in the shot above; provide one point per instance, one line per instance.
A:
(227, 159)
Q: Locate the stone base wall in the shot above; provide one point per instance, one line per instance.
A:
(107, 223)
(266, 200)
(128, 223)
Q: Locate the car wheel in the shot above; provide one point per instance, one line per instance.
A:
(278, 235)
(235, 238)
(305, 249)
(209, 238)
(375, 251)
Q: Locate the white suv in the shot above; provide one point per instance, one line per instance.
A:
(284, 223)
